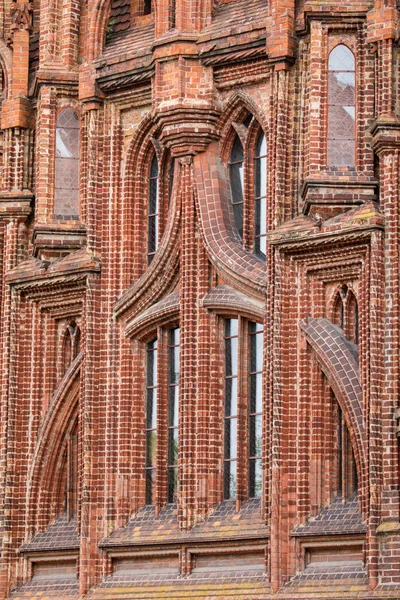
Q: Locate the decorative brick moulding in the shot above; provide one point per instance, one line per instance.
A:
(199, 300)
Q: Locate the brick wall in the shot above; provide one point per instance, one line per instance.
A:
(183, 82)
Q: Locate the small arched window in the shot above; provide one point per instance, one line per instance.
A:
(236, 170)
(153, 211)
(66, 198)
(341, 108)
(70, 347)
(248, 185)
(345, 313)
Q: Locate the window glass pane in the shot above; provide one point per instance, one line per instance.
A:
(173, 406)
(150, 485)
(255, 435)
(256, 393)
(151, 440)
(153, 207)
(151, 417)
(172, 476)
(236, 182)
(255, 408)
(173, 447)
(229, 479)
(237, 151)
(66, 194)
(255, 479)
(230, 421)
(341, 59)
(341, 107)
(231, 438)
(173, 413)
(151, 420)
(231, 357)
(231, 396)
(231, 327)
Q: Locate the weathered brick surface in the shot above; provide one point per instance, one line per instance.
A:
(179, 82)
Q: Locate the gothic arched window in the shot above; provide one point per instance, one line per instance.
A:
(341, 107)
(260, 196)
(153, 211)
(345, 313)
(70, 346)
(66, 197)
(248, 185)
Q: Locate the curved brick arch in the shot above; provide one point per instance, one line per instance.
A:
(241, 269)
(46, 464)
(161, 275)
(226, 300)
(157, 315)
(99, 17)
(6, 66)
(232, 108)
(339, 362)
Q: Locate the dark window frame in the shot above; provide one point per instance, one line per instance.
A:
(244, 200)
(243, 373)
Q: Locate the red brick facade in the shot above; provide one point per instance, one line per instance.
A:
(199, 299)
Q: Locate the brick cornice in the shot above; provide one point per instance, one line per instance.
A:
(15, 205)
(385, 133)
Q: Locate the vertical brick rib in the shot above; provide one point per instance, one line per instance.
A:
(8, 317)
(188, 367)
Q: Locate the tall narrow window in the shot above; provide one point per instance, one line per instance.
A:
(153, 210)
(151, 421)
(347, 469)
(341, 108)
(69, 477)
(173, 414)
(66, 198)
(260, 197)
(147, 7)
(243, 409)
(162, 417)
(255, 409)
(236, 163)
(231, 407)
(247, 165)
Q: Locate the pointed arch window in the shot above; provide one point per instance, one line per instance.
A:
(153, 210)
(341, 107)
(247, 166)
(345, 313)
(66, 197)
(70, 346)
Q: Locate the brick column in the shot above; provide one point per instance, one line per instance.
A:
(7, 372)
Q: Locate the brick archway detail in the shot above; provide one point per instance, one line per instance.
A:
(160, 276)
(232, 109)
(241, 269)
(339, 362)
(45, 465)
(6, 66)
